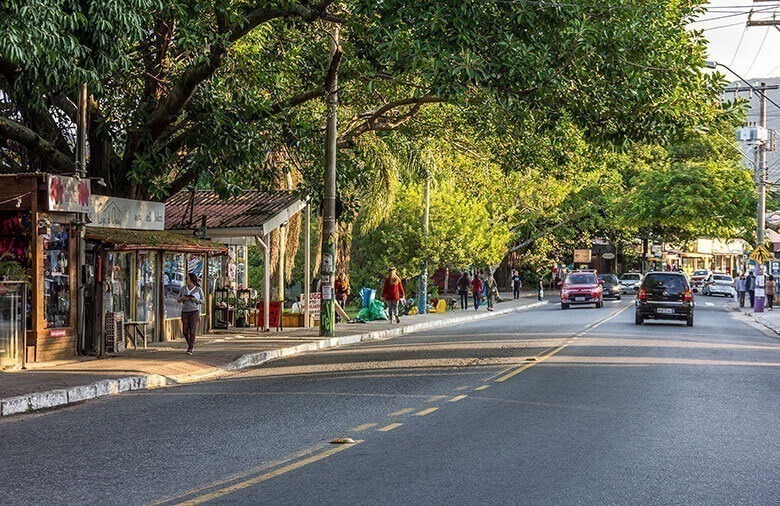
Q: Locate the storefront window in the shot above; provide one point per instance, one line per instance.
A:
(118, 282)
(215, 273)
(146, 281)
(174, 267)
(56, 294)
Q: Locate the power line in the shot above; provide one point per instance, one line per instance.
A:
(755, 58)
(739, 44)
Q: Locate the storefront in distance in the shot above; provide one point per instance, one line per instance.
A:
(140, 269)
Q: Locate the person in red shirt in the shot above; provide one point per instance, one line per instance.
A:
(392, 292)
(476, 288)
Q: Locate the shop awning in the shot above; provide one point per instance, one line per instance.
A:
(123, 239)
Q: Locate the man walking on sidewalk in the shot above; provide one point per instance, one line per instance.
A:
(751, 288)
(463, 290)
(741, 290)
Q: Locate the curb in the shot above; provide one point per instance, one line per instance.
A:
(63, 397)
(758, 319)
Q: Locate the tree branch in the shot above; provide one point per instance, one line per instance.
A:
(376, 120)
(37, 144)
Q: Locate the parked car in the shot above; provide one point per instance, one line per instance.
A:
(698, 278)
(581, 287)
(610, 288)
(630, 281)
(719, 284)
(664, 296)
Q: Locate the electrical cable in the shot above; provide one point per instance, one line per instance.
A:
(739, 44)
(758, 53)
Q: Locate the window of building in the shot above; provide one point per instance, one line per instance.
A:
(146, 283)
(56, 278)
(174, 269)
(118, 282)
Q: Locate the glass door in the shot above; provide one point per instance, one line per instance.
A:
(146, 290)
(12, 322)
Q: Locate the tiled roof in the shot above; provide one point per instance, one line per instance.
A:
(250, 209)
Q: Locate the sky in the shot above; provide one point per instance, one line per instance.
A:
(752, 52)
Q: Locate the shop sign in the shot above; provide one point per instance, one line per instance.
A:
(582, 256)
(114, 212)
(315, 301)
(67, 194)
(608, 256)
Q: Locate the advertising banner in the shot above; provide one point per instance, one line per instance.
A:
(67, 194)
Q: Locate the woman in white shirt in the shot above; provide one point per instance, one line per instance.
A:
(190, 297)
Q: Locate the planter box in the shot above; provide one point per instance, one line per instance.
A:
(295, 320)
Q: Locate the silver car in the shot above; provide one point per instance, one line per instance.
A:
(718, 284)
(630, 281)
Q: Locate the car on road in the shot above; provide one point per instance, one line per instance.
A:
(718, 284)
(581, 287)
(610, 289)
(698, 278)
(630, 281)
(664, 296)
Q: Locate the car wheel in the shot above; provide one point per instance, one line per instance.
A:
(638, 319)
(619, 297)
(564, 306)
(689, 321)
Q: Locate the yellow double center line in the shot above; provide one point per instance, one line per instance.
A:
(545, 355)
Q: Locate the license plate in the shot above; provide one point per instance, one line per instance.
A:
(664, 310)
(579, 298)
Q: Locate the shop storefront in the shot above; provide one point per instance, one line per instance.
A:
(40, 223)
(140, 269)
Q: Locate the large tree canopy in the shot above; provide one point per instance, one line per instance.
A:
(183, 90)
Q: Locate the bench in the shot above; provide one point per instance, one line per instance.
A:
(135, 330)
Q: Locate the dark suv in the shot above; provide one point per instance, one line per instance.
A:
(664, 296)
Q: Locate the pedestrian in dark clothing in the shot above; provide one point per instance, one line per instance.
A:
(770, 288)
(751, 288)
(476, 289)
(741, 290)
(190, 297)
(517, 283)
(540, 288)
(463, 290)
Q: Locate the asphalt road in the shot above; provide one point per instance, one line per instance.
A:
(542, 407)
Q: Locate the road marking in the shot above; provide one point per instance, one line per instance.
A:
(483, 387)
(544, 355)
(211, 496)
(389, 427)
(709, 303)
(363, 427)
(457, 398)
(425, 412)
(436, 398)
(461, 388)
(402, 412)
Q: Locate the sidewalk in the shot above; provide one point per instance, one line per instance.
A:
(769, 319)
(53, 384)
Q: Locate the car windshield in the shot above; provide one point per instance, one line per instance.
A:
(579, 279)
(670, 282)
(630, 277)
(700, 273)
(722, 278)
(608, 278)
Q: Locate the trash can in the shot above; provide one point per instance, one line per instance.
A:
(758, 306)
(368, 295)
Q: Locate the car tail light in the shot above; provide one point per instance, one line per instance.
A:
(641, 294)
(688, 296)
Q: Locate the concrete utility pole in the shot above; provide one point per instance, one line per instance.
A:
(422, 292)
(761, 176)
(327, 308)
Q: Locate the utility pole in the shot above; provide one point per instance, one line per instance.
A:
(761, 148)
(422, 292)
(327, 308)
(81, 172)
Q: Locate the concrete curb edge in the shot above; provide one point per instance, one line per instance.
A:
(62, 397)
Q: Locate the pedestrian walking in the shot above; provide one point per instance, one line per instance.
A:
(190, 298)
(491, 290)
(342, 289)
(463, 290)
(540, 288)
(476, 289)
(517, 284)
(741, 289)
(770, 288)
(392, 293)
(751, 288)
